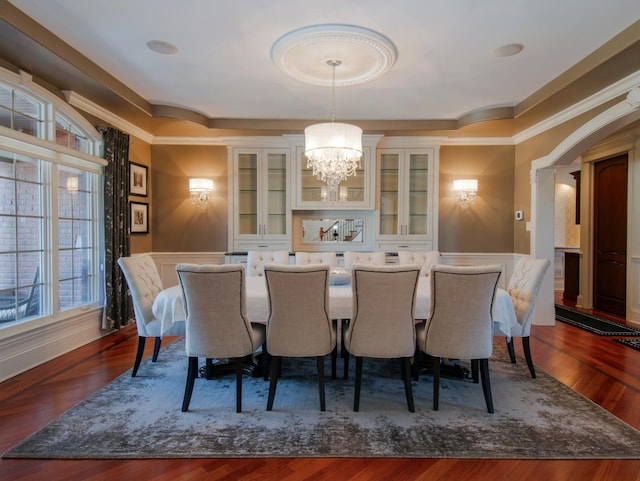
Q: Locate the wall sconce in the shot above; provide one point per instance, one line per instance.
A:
(466, 189)
(200, 190)
(72, 184)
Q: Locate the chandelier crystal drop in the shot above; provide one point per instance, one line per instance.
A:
(333, 149)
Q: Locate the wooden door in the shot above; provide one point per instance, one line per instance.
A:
(610, 235)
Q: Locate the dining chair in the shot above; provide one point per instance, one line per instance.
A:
(352, 258)
(523, 287)
(144, 283)
(306, 258)
(217, 325)
(425, 259)
(460, 323)
(257, 259)
(299, 323)
(382, 325)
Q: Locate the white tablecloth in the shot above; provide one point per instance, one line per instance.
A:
(168, 306)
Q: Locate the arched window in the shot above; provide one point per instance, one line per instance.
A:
(51, 246)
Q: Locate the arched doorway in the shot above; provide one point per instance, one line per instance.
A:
(542, 192)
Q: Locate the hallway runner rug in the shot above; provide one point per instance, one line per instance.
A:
(596, 325)
(632, 343)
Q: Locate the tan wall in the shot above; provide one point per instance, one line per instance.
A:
(487, 225)
(176, 224)
(528, 151)
(140, 153)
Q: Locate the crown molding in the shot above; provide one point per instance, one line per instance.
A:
(82, 103)
(622, 87)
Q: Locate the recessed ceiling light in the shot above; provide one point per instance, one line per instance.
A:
(162, 47)
(508, 50)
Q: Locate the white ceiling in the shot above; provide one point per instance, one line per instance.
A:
(445, 67)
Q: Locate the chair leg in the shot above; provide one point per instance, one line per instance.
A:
(527, 355)
(192, 373)
(139, 353)
(273, 373)
(208, 369)
(345, 355)
(407, 383)
(265, 361)
(356, 397)
(474, 371)
(239, 366)
(512, 352)
(436, 382)
(417, 361)
(334, 362)
(156, 349)
(320, 363)
(486, 383)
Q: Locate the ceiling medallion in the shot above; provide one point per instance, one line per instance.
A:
(303, 54)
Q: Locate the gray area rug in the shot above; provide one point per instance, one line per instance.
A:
(141, 418)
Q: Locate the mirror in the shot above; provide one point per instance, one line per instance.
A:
(333, 230)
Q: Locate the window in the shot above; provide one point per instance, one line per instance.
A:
(50, 223)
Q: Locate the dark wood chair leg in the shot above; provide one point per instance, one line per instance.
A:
(512, 351)
(273, 382)
(436, 382)
(208, 369)
(192, 373)
(407, 383)
(417, 362)
(139, 353)
(239, 365)
(474, 371)
(320, 363)
(156, 349)
(334, 363)
(486, 384)
(265, 361)
(345, 355)
(526, 346)
(356, 397)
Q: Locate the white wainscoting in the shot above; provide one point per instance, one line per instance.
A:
(41, 340)
(633, 305)
(167, 261)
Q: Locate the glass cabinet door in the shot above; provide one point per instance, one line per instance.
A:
(276, 191)
(247, 193)
(389, 193)
(418, 201)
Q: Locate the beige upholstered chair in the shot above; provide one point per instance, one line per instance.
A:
(144, 283)
(299, 324)
(305, 258)
(257, 259)
(460, 324)
(217, 325)
(352, 258)
(382, 325)
(425, 259)
(523, 288)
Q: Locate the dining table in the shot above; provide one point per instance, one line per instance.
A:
(168, 306)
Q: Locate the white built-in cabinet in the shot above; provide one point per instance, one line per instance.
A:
(407, 207)
(259, 205)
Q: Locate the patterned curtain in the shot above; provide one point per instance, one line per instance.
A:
(118, 309)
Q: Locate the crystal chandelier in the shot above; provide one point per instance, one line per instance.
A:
(333, 149)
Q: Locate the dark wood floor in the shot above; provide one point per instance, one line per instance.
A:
(600, 369)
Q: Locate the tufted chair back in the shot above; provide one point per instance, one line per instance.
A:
(424, 259)
(144, 283)
(257, 259)
(364, 258)
(305, 258)
(523, 288)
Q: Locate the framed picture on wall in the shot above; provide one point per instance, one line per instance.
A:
(138, 179)
(139, 218)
